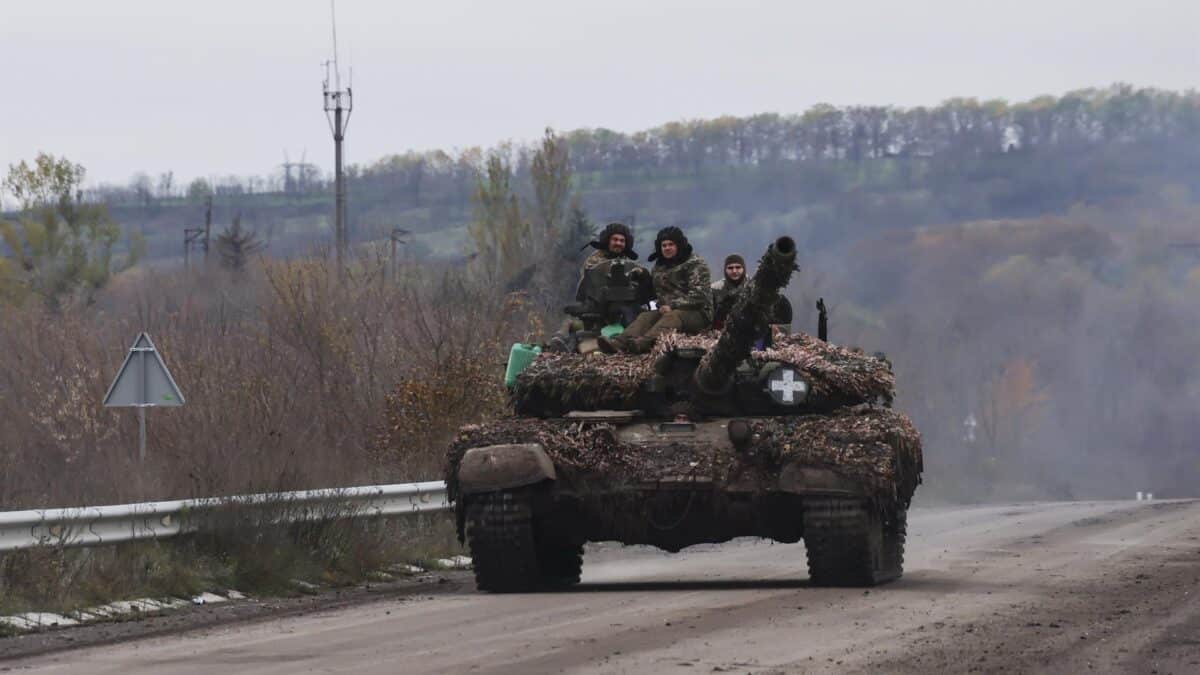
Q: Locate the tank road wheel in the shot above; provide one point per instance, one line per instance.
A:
(500, 534)
(850, 544)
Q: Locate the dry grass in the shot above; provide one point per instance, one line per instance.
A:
(287, 372)
(237, 554)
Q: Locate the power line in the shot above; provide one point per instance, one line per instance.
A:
(198, 237)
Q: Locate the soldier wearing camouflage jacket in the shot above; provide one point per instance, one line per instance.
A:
(613, 245)
(681, 288)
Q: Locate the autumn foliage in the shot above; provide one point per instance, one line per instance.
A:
(286, 371)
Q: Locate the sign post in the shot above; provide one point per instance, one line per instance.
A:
(143, 382)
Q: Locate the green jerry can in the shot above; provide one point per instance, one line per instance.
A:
(519, 358)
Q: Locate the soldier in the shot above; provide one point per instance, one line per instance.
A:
(724, 291)
(725, 294)
(681, 286)
(614, 244)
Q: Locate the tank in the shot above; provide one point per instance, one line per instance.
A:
(704, 439)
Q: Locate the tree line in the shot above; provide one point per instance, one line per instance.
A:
(960, 128)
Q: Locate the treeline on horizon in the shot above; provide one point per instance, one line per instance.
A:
(958, 129)
(836, 172)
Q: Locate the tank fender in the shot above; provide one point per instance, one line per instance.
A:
(503, 467)
(801, 479)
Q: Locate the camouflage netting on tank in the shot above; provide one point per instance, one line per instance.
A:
(570, 444)
(582, 382)
(828, 368)
(869, 443)
(874, 445)
(598, 381)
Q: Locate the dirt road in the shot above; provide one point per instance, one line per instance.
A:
(1071, 587)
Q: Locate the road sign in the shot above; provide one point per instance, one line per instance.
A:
(143, 379)
(143, 382)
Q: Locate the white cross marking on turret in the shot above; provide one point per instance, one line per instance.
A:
(788, 386)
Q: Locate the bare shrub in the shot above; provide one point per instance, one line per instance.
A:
(290, 375)
(456, 377)
(285, 370)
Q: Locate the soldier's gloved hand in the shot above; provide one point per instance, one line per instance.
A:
(637, 274)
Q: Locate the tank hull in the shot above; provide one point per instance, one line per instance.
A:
(674, 484)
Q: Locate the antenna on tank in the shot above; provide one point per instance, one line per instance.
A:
(339, 102)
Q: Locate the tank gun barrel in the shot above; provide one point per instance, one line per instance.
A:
(749, 314)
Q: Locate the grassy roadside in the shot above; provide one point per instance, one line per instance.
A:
(238, 554)
(298, 375)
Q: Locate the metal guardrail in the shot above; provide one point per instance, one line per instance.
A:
(96, 525)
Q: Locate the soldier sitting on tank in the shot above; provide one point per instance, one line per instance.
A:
(611, 263)
(725, 293)
(681, 287)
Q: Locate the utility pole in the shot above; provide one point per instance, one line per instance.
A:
(339, 102)
(194, 237)
(207, 227)
(288, 186)
(191, 239)
(397, 237)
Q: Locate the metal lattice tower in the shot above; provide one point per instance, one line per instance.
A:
(198, 237)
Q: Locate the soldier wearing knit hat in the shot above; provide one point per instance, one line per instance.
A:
(724, 290)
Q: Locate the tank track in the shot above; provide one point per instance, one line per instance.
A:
(849, 543)
(561, 563)
(895, 531)
(507, 554)
(500, 534)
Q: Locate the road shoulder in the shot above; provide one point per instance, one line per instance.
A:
(250, 610)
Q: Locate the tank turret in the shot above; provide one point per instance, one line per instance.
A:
(715, 373)
(749, 318)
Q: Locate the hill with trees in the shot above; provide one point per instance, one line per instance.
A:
(831, 174)
(1031, 269)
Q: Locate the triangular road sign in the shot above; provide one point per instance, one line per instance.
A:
(143, 379)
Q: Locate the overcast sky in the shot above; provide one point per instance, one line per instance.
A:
(221, 87)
